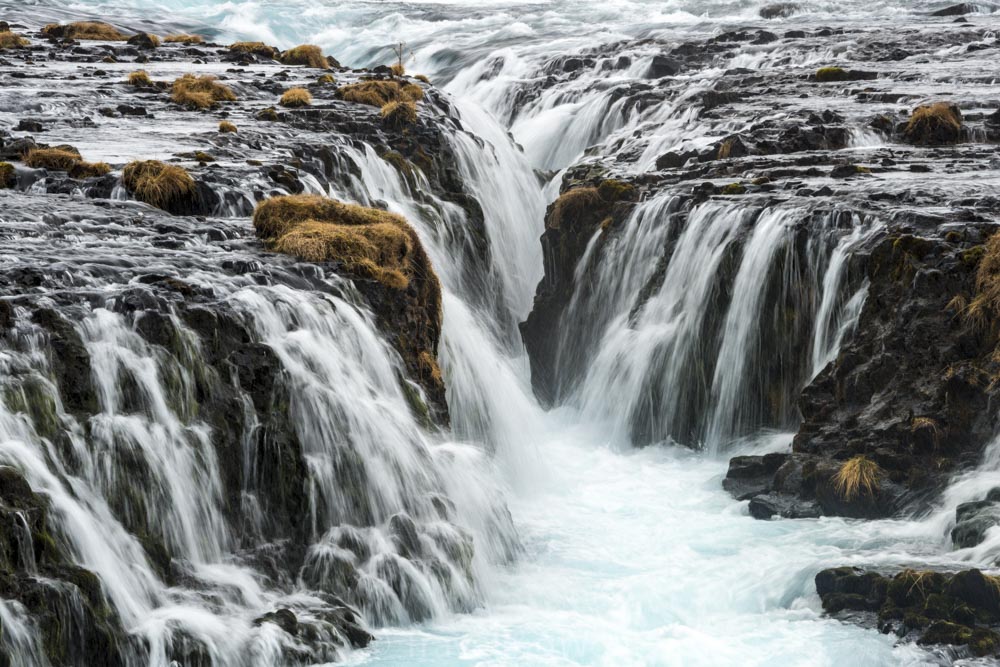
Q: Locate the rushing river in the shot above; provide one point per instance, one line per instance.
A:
(626, 555)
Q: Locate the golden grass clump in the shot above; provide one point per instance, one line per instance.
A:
(857, 476)
(85, 30)
(397, 69)
(184, 38)
(398, 115)
(308, 55)
(934, 124)
(55, 159)
(413, 91)
(422, 77)
(65, 158)
(325, 79)
(225, 127)
(254, 48)
(373, 93)
(10, 40)
(295, 98)
(366, 241)
(158, 184)
(139, 78)
(200, 92)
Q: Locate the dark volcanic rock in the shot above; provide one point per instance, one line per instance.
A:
(961, 608)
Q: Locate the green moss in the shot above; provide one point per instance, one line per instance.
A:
(825, 74)
(734, 189)
(268, 114)
(972, 256)
(944, 632)
(953, 236)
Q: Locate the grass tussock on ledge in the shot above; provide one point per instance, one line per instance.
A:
(826, 74)
(225, 127)
(200, 92)
(398, 115)
(377, 93)
(84, 30)
(308, 55)
(184, 38)
(255, 49)
(65, 159)
(934, 125)
(578, 202)
(369, 242)
(397, 69)
(159, 184)
(295, 98)
(10, 40)
(139, 79)
(857, 476)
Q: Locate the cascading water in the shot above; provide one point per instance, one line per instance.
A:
(516, 536)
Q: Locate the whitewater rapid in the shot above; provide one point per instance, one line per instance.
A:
(628, 556)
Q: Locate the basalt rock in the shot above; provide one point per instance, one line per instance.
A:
(959, 609)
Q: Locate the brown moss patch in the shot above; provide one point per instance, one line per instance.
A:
(184, 38)
(398, 115)
(308, 55)
(200, 92)
(10, 40)
(225, 127)
(368, 242)
(579, 202)
(254, 48)
(85, 30)
(8, 177)
(413, 92)
(296, 98)
(325, 79)
(159, 184)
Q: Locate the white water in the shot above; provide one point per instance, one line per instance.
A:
(630, 557)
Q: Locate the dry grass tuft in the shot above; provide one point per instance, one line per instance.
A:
(398, 115)
(225, 127)
(369, 242)
(373, 93)
(65, 159)
(55, 159)
(397, 69)
(413, 92)
(422, 77)
(325, 79)
(254, 48)
(8, 175)
(10, 40)
(85, 30)
(162, 185)
(200, 92)
(859, 475)
(296, 98)
(140, 79)
(308, 55)
(933, 124)
(184, 38)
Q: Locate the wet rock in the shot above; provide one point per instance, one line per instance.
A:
(283, 618)
(143, 40)
(959, 609)
(25, 125)
(957, 10)
(778, 10)
(974, 519)
(663, 66)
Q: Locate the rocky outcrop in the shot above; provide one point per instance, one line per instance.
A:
(960, 609)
